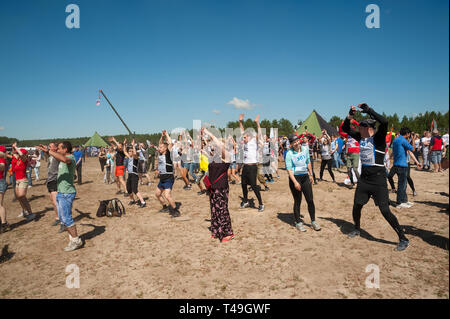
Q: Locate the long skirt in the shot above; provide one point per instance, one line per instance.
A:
(220, 216)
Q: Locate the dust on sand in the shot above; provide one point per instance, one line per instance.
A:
(147, 254)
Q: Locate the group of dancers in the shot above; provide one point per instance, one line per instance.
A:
(213, 163)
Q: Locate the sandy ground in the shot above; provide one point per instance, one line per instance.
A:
(147, 254)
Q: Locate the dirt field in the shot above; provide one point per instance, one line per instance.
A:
(147, 254)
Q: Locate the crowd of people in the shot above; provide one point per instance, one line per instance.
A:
(250, 159)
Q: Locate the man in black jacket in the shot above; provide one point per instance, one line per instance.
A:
(373, 175)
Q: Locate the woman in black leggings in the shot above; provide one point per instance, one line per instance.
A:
(300, 181)
(327, 156)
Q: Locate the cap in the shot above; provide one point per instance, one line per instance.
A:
(24, 151)
(368, 123)
(2, 149)
(292, 138)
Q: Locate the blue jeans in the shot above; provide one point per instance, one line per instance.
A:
(64, 204)
(29, 170)
(190, 167)
(436, 157)
(402, 173)
(336, 160)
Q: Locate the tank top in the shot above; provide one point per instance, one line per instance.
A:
(250, 151)
(165, 167)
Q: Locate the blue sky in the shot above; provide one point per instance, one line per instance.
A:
(164, 63)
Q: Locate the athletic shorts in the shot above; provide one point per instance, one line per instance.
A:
(132, 183)
(64, 204)
(52, 186)
(120, 170)
(353, 160)
(436, 157)
(142, 167)
(167, 184)
(379, 193)
(22, 183)
(3, 186)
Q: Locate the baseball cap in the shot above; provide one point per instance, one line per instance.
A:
(24, 151)
(368, 123)
(292, 138)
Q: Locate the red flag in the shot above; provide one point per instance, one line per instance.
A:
(433, 126)
(388, 139)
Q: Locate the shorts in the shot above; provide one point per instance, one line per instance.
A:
(233, 165)
(436, 157)
(167, 184)
(120, 170)
(132, 183)
(52, 186)
(185, 165)
(142, 167)
(64, 204)
(353, 160)
(364, 190)
(22, 183)
(3, 186)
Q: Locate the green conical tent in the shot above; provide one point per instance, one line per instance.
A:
(315, 124)
(96, 140)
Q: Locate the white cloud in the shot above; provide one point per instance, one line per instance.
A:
(241, 104)
(216, 111)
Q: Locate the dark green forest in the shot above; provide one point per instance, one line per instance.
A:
(417, 124)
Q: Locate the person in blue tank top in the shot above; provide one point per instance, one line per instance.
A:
(372, 182)
(298, 166)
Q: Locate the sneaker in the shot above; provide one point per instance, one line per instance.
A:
(404, 205)
(4, 228)
(414, 193)
(62, 228)
(402, 245)
(201, 192)
(271, 182)
(74, 244)
(300, 227)
(142, 205)
(22, 214)
(244, 204)
(261, 208)
(56, 222)
(132, 202)
(119, 192)
(165, 209)
(354, 233)
(126, 194)
(315, 226)
(233, 182)
(31, 216)
(410, 203)
(266, 188)
(175, 213)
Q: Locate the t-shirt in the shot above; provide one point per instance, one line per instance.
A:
(400, 148)
(340, 144)
(436, 143)
(298, 162)
(77, 155)
(120, 157)
(19, 168)
(445, 139)
(250, 151)
(325, 152)
(425, 140)
(53, 165)
(2, 173)
(65, 176)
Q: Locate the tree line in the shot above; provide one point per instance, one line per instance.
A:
(418, 124)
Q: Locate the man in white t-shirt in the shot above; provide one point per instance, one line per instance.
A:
(250, 168)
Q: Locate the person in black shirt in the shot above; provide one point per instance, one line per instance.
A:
(133, 175)
(372, 181)
(120, 168)
(166, 177)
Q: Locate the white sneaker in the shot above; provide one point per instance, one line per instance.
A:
(22, 214)
(404, 205)
(74, 244)
(409, 203)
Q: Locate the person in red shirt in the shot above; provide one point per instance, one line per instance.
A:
(3, 186)
(352, 147)
(19, 166)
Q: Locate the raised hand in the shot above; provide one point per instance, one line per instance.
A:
(241, 117)
(257, 118)
(364, 107)
(352, 110)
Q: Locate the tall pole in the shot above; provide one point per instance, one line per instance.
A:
(101, 91)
